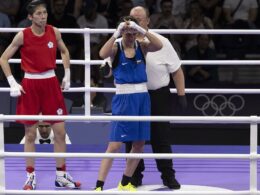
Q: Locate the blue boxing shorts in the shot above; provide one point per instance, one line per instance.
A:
(134, 104)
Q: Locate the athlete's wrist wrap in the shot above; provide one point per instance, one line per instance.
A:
(15, 88)
(66, 79)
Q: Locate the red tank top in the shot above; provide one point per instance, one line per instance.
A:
(38, 54)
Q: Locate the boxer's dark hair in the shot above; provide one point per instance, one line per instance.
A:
(33, 4)
(129, 18)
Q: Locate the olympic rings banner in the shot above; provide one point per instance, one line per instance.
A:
(215, 105)
(218, 105)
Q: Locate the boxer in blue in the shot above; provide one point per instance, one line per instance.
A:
(132, 98)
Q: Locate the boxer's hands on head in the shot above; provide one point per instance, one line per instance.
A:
(135, 26)
(118, 31)
(15, 88)
(128, 26)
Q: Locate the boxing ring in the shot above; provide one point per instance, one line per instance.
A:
(239, 163)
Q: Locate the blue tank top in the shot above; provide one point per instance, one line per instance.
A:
(129, 70)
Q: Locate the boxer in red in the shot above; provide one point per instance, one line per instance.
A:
(40, 91)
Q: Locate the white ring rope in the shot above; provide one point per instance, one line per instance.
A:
(174, 119)
(188, 91)
(184, 62)
(161, 31)
(128, 155)
(44, 192)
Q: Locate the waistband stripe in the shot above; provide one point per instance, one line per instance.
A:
(42, 75)
(131, 88)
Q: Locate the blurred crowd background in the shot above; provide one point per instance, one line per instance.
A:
(164, 14)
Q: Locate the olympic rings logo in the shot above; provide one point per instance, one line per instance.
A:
(218, 104)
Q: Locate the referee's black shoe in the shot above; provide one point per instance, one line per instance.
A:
(171, 183)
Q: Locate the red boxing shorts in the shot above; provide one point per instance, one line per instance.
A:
(41, 96)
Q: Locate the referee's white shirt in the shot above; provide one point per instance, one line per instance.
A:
(160, 64)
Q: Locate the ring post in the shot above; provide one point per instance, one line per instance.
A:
(87, 71)
(2, 160)
(253, 151)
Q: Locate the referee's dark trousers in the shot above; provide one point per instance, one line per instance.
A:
(160, 134)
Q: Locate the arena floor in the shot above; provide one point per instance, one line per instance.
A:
(193, 174)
